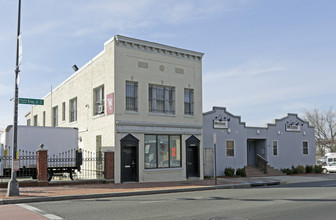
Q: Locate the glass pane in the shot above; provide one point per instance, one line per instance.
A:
(150, 151)
(163, 155)
(175, 151)
(229, 149)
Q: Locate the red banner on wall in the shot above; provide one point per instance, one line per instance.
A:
(110, 104)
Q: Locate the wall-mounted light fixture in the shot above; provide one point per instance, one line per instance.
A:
(74, 67)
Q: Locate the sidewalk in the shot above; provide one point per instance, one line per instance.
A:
(85, 191)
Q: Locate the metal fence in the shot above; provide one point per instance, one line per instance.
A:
(92, 166)
(27, 160)
(63, 166)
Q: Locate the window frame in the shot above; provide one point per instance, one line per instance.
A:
(305, 149)
(189, 102)
(233, 148)
(161, 99)
(98, 100)
(164, 164)
(44, 118)
(132, 99)
(63, 111)
(35, 120)
(55, 116)
(275, 148)
(73, 110)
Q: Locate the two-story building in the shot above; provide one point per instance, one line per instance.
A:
(139, 99)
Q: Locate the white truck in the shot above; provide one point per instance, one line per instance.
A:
(327, 159)
(61, 143)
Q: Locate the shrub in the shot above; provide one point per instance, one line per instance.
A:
(241, 172)
(300, 169)
(229, 171)
(318, 169)
(309, 169)
(295, 171)
(287, 171)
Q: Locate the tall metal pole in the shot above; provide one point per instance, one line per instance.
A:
(13, 185)
(215, 141)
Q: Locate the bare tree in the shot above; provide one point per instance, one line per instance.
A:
(325, 129)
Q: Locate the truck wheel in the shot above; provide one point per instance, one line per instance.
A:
(324, 171)
(50, 175)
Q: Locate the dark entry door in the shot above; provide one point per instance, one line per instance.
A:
(129, 164)
(251, 152)
(192, 162)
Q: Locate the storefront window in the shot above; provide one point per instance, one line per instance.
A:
(175, 151)
(163, 156)
(162, 151)
(150, 151)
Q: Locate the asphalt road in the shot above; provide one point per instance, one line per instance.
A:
(314, 200)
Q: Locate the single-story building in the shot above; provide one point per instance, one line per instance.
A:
(286, 142)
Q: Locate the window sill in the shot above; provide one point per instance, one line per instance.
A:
(161, 114)
(189, 116)
(98, 116)
(73, 122)
(131, 112)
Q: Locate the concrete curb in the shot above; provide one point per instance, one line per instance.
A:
(137, 193)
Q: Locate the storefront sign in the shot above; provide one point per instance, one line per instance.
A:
(293, 127)
(220, 124)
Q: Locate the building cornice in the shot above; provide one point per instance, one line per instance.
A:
(152, 47)
(157, 124)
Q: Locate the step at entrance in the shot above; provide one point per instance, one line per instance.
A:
(253, 171)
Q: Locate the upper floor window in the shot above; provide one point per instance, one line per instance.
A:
(305, 147)
(275, 148)
(98, 100)
(55, 116)
(63, 111)
(161, 99)
(132, 96)
(73, 109)
(44, 118)
(189, 101)
(35, 120)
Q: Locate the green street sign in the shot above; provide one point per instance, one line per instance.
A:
(31, 101)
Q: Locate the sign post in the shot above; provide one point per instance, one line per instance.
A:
(13, 184)
(215, 141)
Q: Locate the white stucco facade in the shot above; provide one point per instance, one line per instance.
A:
(151, 67)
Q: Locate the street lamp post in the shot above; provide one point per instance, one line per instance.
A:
(13, 185)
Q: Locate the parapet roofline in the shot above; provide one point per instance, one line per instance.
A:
(147, 45)
(275, 121)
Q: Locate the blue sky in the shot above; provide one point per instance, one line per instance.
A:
(263, 58)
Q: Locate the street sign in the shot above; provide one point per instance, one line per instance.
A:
(31, 101)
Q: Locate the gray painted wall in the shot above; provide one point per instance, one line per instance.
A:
(290, 146)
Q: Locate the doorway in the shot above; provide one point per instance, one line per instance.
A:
(192, 147)
(129, 159)
(251, 152)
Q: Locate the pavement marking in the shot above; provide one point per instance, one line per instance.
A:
(153, 201)
(329, 185)
(40, 212)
